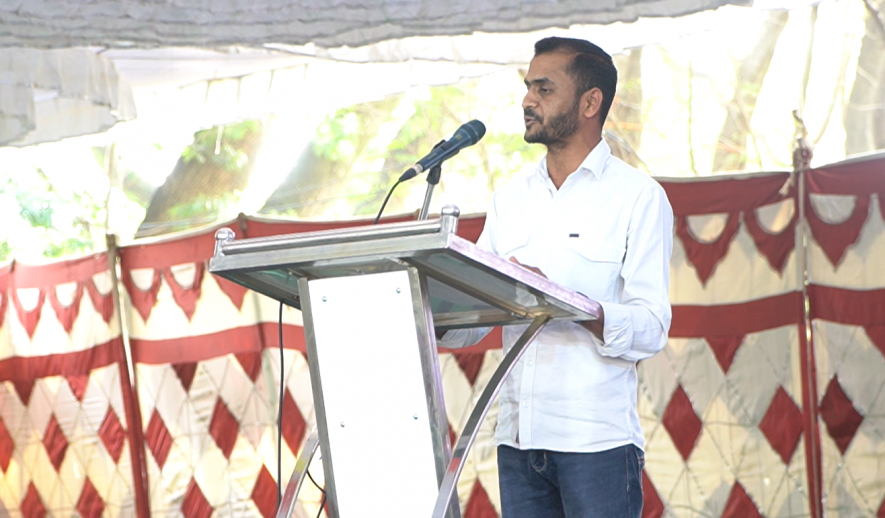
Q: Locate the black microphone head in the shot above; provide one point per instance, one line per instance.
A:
(475, 129)
(467, 135)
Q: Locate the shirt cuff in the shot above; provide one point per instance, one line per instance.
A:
(617, 331)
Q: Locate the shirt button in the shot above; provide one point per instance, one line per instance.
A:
(525, 404)
(531, 362)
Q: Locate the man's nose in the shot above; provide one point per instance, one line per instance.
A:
(529, 100)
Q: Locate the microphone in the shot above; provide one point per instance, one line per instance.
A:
(467, 135)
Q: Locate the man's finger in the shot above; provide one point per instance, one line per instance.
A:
(527, 267)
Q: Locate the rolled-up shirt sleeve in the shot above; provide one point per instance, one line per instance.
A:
(636, 327)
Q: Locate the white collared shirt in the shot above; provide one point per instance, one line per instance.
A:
(606, 233)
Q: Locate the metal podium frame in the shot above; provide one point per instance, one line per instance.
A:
(453, 283)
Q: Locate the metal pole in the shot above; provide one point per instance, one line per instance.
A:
(296, 481)
(468, 435)
(432, 179)
(129, 389)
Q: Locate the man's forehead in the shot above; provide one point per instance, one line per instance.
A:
(548, 67)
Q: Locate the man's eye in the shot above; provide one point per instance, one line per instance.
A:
(544, 90)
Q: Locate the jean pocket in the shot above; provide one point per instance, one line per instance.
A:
(640, 458)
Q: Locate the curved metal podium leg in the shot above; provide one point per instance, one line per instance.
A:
(468, 435)
(287, 506)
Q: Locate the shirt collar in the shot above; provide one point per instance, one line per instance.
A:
(594, 163)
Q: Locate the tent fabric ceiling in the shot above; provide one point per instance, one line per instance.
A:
(330, 24)
(67, 68)
(52, 94)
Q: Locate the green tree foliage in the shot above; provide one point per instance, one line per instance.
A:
(222, 146)
(54, 222)
(359, 152)
(207, 180)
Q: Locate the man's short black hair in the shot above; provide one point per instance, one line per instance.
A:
(590, 68)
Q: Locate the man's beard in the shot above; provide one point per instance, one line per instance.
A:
(561, 126)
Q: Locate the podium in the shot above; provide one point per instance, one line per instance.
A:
(371, 298)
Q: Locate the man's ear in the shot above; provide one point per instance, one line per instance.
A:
(591, 103)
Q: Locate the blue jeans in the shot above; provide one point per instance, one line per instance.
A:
(550, 484)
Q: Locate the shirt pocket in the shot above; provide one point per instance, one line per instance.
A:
(589, 267)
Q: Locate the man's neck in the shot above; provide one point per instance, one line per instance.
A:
(565, 160)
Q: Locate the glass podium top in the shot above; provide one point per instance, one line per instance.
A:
(467, 286)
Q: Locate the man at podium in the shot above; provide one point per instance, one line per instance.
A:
(568, 434)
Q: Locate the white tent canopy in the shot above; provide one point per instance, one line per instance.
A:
(329, 24)
(68, 66)
(49, 95)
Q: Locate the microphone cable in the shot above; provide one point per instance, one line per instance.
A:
(323, 491)
(386, 198)
(408, 175)
(280, 426)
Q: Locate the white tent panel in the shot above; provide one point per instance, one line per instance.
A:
(334, 23)
(49, 95)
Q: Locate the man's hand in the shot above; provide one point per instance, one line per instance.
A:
(527, 267)
(594, 326)
(439, 333)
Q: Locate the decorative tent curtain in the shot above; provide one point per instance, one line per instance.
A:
(756, 407)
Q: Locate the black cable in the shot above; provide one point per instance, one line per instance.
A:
(280, 425)
(322, 504)
(378, 217)
(408, 175)
(280, 414)
(323, 491)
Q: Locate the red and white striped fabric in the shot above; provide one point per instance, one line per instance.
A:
(744, 415)
(725, 406)
(846, 258)
(67, 407)
(207, 384)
